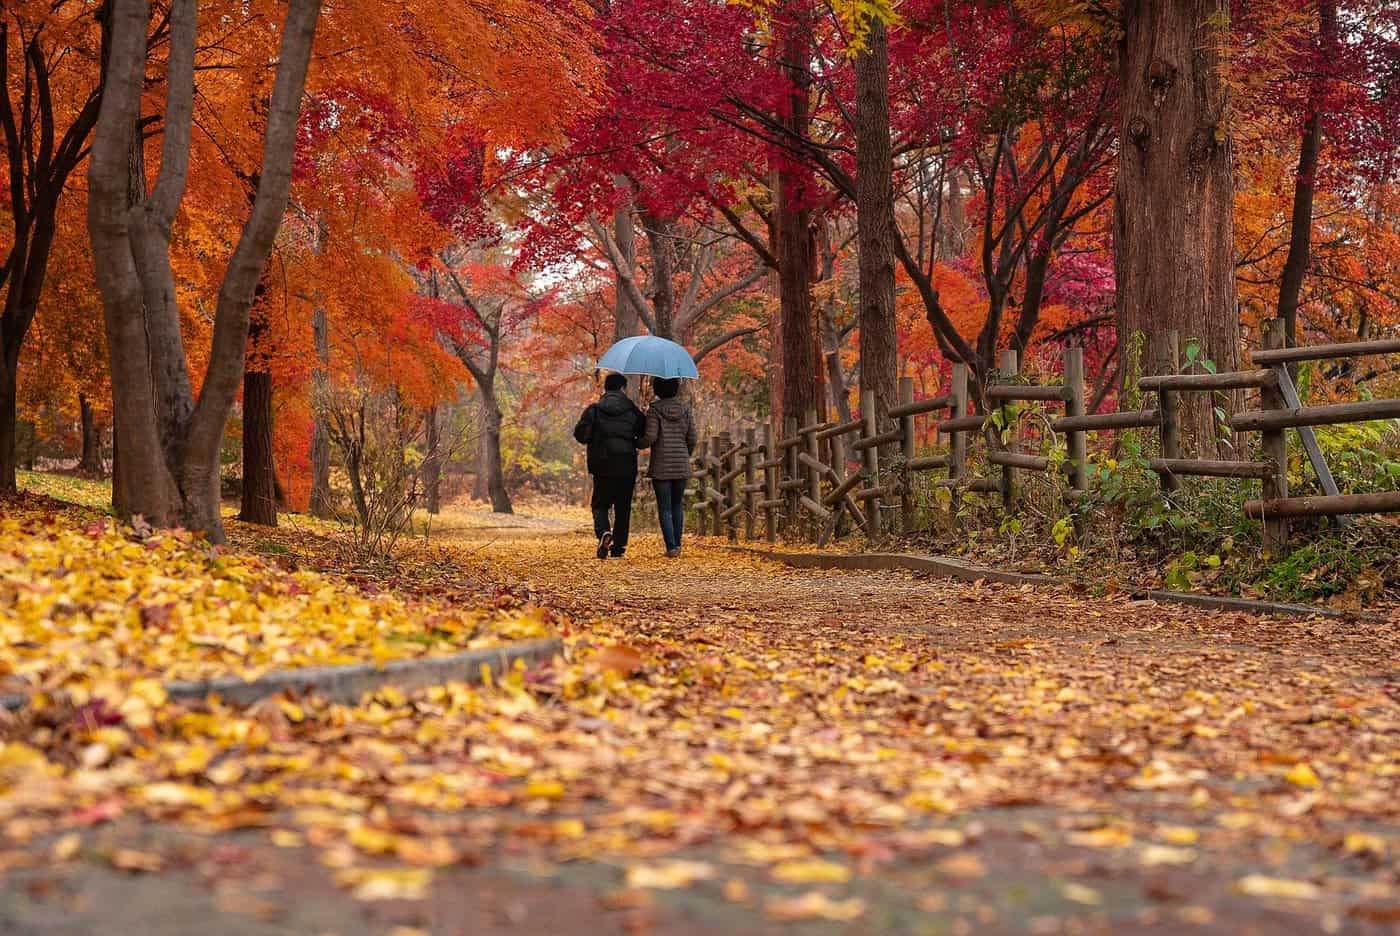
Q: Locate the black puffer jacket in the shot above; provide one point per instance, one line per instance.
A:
(610, 428)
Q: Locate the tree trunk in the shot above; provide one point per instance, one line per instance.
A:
(661, 276)
(625, 320)
(875, 224)
(9, 426)
(1295, 266)
(491, 462)
(90, 461)
(801, 381)
(259, 473)
(1174, 225)
(169, 441)
(432, 462)
(321, 504)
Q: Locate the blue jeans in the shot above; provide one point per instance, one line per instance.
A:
(670, 505)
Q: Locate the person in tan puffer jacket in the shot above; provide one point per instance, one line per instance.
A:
(670, 434)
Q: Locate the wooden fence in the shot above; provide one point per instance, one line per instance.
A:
(823, 478)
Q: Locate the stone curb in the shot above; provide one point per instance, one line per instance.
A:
(346, 684)
(970, 572)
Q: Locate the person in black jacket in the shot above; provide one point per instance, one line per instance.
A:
(610, 428)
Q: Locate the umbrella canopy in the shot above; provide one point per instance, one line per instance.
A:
(647, 354)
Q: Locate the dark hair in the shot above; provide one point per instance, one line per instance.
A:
(614, 382)
(666, 387)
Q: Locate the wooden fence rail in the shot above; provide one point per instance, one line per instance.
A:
(819, 479)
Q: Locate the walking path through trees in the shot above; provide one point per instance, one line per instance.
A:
(733, 746)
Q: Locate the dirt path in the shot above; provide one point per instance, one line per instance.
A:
(737, 747)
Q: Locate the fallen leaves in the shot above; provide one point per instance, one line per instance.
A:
(815, 905)
(103, 613)
(1259, 885)
(704, 730)
(669, 875)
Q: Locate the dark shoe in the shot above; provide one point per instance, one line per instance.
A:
(616, 554)
(604, 544)
(673, 553)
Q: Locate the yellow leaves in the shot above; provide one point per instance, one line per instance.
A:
(811, 871)
(86, 603)
(131, 859)
(1154, 855)
(373, 841)
(1258, 885)
(372, 884)
(545, 790)
(669, 875)
(66, 847)
(815, 905)
(177, 794)
(1178, 835)
(1363, 843)
(1105, 837)
(1302, 775)
(1078, 893)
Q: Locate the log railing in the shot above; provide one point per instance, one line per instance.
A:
(820, 479)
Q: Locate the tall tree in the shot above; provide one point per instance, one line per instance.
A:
(1295, 265)
(168, 439)
(793, 235)
(51, 82)
(1174, 226)
(259, 503)
(875, 221)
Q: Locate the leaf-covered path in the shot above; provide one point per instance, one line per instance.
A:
(733, 746)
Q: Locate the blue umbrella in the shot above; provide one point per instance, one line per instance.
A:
(647, 354)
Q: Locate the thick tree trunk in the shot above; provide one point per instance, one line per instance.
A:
(661, 276)
(432, 462)
(321, 504)
(259, 474)
(9, 426)
(168, 441)
(626, 323)
(875, 223)
(802, 381)
(90, 460)
(1174, 228)
(491, 463)
(1295, 266)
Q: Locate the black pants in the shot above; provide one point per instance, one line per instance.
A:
(613, 494)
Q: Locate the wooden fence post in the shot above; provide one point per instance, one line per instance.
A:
(750, 482)
(717, 446)
(1075, 440)
(697, 487)
(869, 430)
(957, 441)
(770, 480)
(1275, 446)
(1164, 355)
(730, 488)
(906, 441)
(1007, 373)
(813, 447)
(794, 499)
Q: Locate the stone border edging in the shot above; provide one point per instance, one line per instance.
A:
(970, 572)
(346, 684)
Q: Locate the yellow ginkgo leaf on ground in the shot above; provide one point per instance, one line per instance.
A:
(812, 871)
(1153, 855)
(386, 883)
(1080, 894)
(1259, 885)
(544, 789)
(1302, 775)
(669, 875)
(815, 905)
